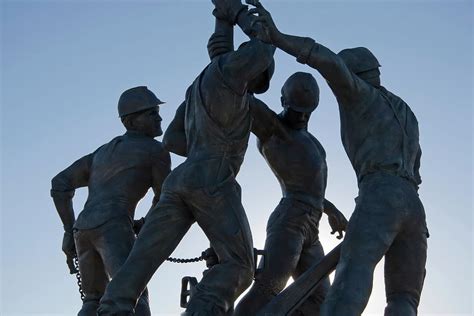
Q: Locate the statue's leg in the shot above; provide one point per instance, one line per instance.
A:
(91, 268)
(373, 226)
(405, 262)
(220, 214)
(114, 245)
(165, 225)
(310, 255)
(286, 231)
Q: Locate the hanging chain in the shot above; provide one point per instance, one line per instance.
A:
(170, 259)
(78, 277)
(137, 227)
(183, 260)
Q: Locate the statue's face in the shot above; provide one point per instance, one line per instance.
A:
(149, 122)
(295, 119)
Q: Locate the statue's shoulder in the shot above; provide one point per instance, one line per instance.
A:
(159, 151)
(318, 144)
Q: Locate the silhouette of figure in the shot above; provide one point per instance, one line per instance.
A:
(298, 161)
(118, 175)
(381, 138)
(211, 128)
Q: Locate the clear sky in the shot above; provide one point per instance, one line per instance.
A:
(65, 63)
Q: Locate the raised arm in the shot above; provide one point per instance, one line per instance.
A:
(222, 40)
(174, 139)
(227, 14)
(250, 59)
(341, 80)
(246, 63)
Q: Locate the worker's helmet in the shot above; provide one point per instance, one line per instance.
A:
(300, 92)
(136, 100)
(359, 59)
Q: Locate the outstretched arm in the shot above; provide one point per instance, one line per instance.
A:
(265, 122)
(341, 80)
(174, 139)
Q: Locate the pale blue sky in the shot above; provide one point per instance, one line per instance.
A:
(65, 63)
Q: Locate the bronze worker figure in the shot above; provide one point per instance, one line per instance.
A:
(118, 175)
(298, 161)
(211, 128)
(380, 135)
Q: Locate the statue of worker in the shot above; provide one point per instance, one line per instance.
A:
(211, 128)
(298, 161)
(380, 135)
(118, 175)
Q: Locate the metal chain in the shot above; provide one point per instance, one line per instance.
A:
(183, 260)
(78, 277)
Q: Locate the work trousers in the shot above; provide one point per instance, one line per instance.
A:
(101, 252)
(219, 212)
(291, 247)
(389, 220)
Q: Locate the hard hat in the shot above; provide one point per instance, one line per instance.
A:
(359, 59)
(300, 92)
(137, 99)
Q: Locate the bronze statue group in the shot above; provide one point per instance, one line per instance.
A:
(118, 256)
